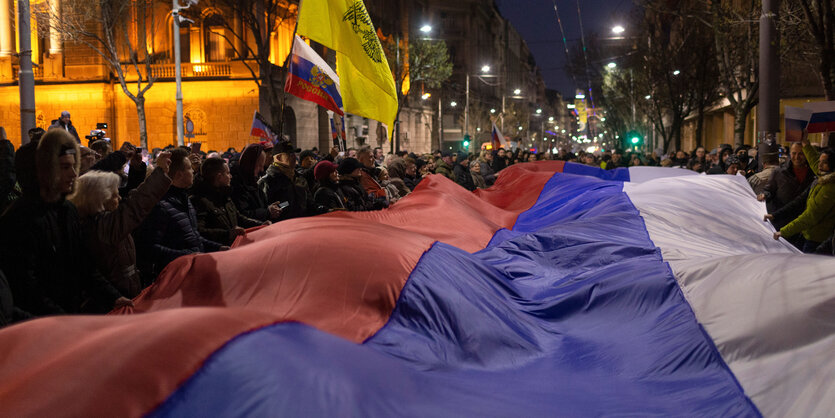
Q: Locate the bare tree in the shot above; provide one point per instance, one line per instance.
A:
(119, 31)
(428, 66)
(819, 19)
(249, 34)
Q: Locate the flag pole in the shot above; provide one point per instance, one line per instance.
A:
(285, 68)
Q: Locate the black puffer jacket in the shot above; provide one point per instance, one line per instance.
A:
(170, 231)
(217, 216)
(42, 253)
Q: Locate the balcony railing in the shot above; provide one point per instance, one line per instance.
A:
(189, 70)
(38, 71)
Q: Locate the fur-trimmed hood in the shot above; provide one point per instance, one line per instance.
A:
(53, 144)
(827, 179)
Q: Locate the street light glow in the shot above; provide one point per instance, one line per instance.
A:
(612, 65)
(571, 106)
(617, 30)
(485, 69)
(580, 96)
(426, 96)
(676, 72)
(426, 28)
(648, 97)
(538, 111)
(517, 92)
(453, 104)
(551, 119)
(492, 110)
(520, 128)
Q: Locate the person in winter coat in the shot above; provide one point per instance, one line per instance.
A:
(397, 176)
(760, 180)
(699, 161)
(218, 218)
(499, 160)
(485, 161)
(817, 221)
(247, 196)
(328, 197)
(462, 172)
(64, 123)
(475, 171)
(42, 249)
(789, 181)
(108, 224)
(444, 165)
(170, 231)
(370, 180)
(356, 199)
(279, 185)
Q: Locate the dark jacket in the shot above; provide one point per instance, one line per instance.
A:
(463, 177)
(248, 197)
(487, 172)
(499, 163)
(277, 187)
(356, 199)
(114, 162)
(441, 167)
(57, 124)
(217, 216)
(8, 180)
(170, 231)
(412, 181)
(9, 313)
(329, 197)
(43, 255)
(785, 187)
(108, 234)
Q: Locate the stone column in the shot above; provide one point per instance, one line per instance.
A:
(6, 37)
(55, 43)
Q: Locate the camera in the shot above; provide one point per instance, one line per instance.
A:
(97, 134)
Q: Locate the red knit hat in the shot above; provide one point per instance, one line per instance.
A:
(323, 170)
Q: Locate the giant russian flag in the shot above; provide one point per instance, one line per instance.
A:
(624, 293)
(310, 78)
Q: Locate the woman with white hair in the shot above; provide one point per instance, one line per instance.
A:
(107, 224)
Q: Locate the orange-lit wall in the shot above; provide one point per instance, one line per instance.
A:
(220, 109)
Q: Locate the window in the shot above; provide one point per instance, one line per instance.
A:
(215, 38)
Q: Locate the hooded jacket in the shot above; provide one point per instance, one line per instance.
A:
(818, 219)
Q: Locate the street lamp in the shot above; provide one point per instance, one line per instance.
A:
(517, 92)
(617, 30)
(485, 69)
(538, 111)
(453, 103)
(426, 96)
(612, 65)
(676, 72)
(176, 19)
(493, 111)
(426, 29)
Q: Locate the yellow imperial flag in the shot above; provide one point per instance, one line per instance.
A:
(366, 82)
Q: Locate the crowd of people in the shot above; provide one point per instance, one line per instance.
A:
(85, 229)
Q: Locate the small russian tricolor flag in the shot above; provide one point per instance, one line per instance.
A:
(311, 78)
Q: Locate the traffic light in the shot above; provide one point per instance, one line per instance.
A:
(466, 142)
(634, 139)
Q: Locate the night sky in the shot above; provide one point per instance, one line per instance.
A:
(536, 21)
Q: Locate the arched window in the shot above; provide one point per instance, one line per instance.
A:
(214, 30)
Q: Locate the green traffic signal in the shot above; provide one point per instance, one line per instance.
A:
(466, 144)
(636, 140)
